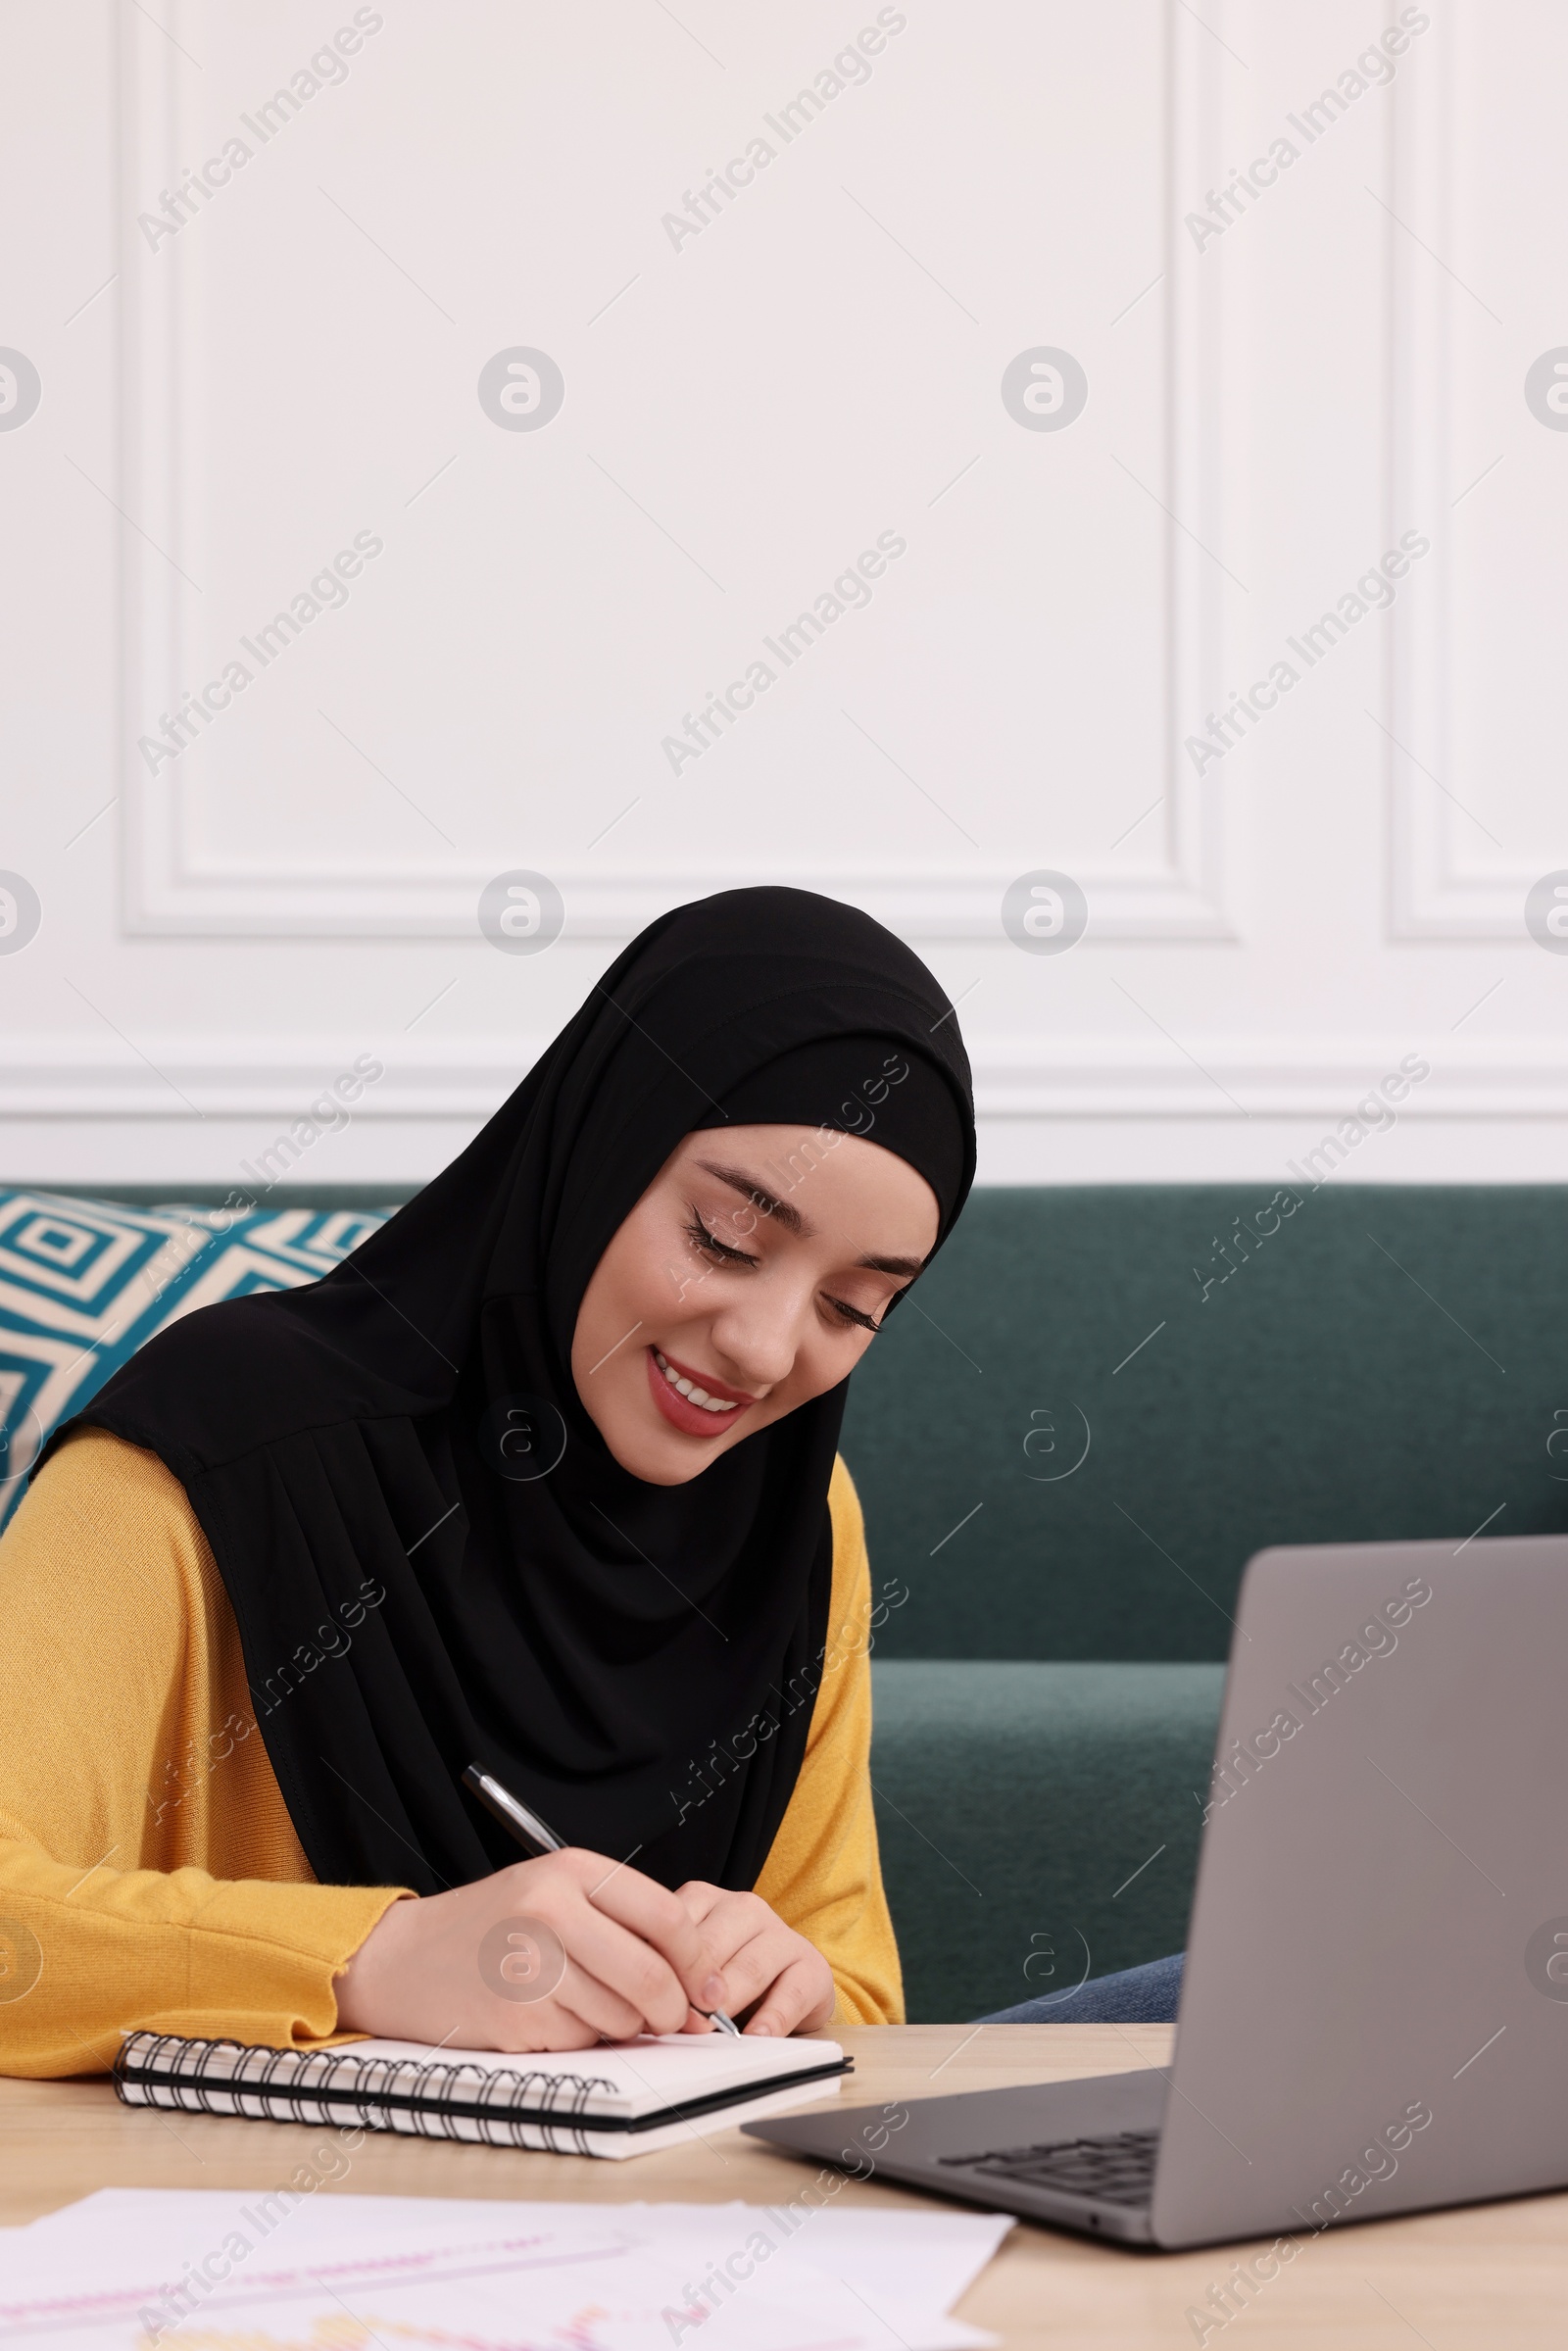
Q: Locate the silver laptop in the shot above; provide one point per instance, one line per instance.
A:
(1374, 2013)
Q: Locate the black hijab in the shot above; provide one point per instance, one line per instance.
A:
(432, 1556)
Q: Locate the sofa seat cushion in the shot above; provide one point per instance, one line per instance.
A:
(1038, 1822)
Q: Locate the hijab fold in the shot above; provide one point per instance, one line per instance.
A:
(432, 1556)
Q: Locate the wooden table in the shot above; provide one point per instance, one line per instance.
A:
(1492, 2278)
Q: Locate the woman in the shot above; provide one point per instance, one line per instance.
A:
(543, 1477)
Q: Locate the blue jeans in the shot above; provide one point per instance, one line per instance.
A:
(1139, 1995)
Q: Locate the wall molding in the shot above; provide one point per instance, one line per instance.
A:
(274, 1082)
(1432, 894)
(169, 891)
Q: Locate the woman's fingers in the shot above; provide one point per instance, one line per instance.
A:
(792, 1997)
(750, 1967)
(603, 2013)
(632, 1939)
(549, 2026)
(763, 1961)
(663, 1923)
(578, 2011)
(639, 1976)
(550, 1953)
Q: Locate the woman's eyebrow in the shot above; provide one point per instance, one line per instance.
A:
(791, 1218)
(760, 1198)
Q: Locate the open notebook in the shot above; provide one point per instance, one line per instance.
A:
(624, 2100)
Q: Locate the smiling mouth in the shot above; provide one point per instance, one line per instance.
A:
(687, 1401)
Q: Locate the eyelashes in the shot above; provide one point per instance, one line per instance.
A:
(710, 1242)
(720, 1253)
(852, 1314)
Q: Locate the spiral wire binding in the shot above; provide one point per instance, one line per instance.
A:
(300, 2086)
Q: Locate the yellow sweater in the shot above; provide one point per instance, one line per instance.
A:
(149, 1872)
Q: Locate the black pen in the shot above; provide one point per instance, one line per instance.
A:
(538, 1838)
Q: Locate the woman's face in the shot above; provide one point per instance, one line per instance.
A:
(754, 1271)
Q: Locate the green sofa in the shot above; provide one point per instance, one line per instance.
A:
(1068, 1442)
(1378, 1363)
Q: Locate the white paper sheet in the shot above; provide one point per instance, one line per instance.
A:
(215, 2270)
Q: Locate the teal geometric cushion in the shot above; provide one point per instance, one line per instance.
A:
(83, 1283)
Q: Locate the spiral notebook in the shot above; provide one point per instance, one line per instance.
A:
(625, 2099)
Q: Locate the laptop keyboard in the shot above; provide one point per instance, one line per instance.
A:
(1118, 2170)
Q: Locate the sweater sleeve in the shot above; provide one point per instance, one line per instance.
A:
(824, 1875)
(149, 1874)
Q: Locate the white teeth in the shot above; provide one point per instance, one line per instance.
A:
(690, 1390)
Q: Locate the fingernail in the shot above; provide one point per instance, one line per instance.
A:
(762, 2032)
(714, 1992)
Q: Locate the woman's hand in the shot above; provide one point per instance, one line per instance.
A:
(556, 1953)
(762, 1960)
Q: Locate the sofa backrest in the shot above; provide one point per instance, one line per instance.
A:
(1246, 1367)
(1352, 1363)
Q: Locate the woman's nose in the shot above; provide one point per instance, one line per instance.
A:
(757, 1345)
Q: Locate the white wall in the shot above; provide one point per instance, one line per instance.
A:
(746, 409)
